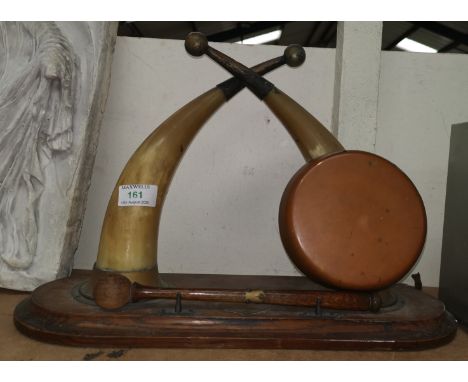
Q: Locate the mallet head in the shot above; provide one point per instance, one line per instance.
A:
(112, 291)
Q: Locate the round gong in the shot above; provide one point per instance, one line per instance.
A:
(352, 220)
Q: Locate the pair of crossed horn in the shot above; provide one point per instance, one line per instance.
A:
(372, 260)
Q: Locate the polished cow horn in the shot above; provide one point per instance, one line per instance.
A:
(128, 241)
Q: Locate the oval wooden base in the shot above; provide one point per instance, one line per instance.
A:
(56, 312)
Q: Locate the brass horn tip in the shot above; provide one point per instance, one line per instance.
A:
(196, 44)
(294, 55)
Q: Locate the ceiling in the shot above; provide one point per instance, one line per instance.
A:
(444, 36)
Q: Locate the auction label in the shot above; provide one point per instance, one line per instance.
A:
(138, 195)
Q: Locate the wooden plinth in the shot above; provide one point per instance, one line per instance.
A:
(57, 312)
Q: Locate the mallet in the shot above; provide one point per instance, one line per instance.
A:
(114, 291)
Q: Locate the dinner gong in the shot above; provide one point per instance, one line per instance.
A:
(351, 221)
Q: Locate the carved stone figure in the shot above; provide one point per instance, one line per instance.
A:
(53, 82)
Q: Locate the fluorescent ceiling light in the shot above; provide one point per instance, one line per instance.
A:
(262, 39)
(414, 46)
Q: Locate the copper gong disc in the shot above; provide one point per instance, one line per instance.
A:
(352, 220)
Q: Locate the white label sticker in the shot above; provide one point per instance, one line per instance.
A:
(138, 195)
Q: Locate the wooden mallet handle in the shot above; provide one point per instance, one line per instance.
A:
(113, 291)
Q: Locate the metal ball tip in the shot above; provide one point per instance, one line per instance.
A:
(196, 44)
(294, 55)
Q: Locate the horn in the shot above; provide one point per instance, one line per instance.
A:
(128, 242)
(312, 138)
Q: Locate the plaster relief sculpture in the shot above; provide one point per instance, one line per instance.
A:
(53, 84)
(36, 104)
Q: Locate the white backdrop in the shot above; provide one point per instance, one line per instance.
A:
(220, 215)
(421, 96)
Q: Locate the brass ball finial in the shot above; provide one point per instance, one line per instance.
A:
(196, 44)
(294, 55)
